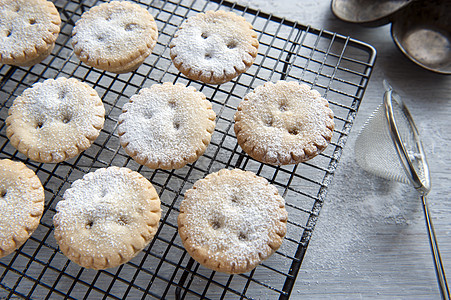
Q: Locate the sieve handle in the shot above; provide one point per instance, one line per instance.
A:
(439, 270)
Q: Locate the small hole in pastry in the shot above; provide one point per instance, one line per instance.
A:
(232, 45)
(176, 125)
(89, 224)
(234, 199)
(131, 26)
(8, 33)
(172, 104)
(62, 93)
(32, 21)
(293, 131)
(208, 56)
(2, 193)
(204, 35)
(215, 224)
(17, 8)
(268, 121)
(148, 115)
(283, 107)
(122, 221)
(242, 236)
(39, 124)
(100, 38)
(66, 119)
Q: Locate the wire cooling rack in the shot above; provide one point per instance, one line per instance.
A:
(337, 66)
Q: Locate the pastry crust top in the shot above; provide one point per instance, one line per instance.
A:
(55, 120)
(232, 220)
(107, 217)
(283, 123)
(214, 47)
(21, 204)
(28, 29)
(115, 36)
(166, 126)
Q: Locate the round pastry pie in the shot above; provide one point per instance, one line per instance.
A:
(55, 120)
(166, 126)
(116, 36)
(283, 123)
(107, 217)
(214, 47)
(232, 220)
(21, 204)
(28, 31)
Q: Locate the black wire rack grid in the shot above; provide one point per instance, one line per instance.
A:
(338, 67)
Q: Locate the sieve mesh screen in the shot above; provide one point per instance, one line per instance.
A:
(375, 151)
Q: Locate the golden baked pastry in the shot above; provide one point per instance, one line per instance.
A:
(55, 120)
(283, 123)
(107, 217)
(116, 36)
(214, 47)
(232, 220)
(21, 204)
(166, 126)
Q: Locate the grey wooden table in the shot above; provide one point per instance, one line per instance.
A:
(371, 240)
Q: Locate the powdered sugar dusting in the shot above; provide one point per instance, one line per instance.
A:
(21, 204)
(283, 123)
(350, 229)
(216, 43)
(114, 32)
(27, 25)
(166, 124)
(103, 213)
(233, 215)
(61, 116)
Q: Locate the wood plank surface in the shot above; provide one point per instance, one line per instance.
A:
(370, 240)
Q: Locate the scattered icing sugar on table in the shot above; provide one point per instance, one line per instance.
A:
(346, 229)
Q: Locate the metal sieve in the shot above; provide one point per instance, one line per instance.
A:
(389, 146)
